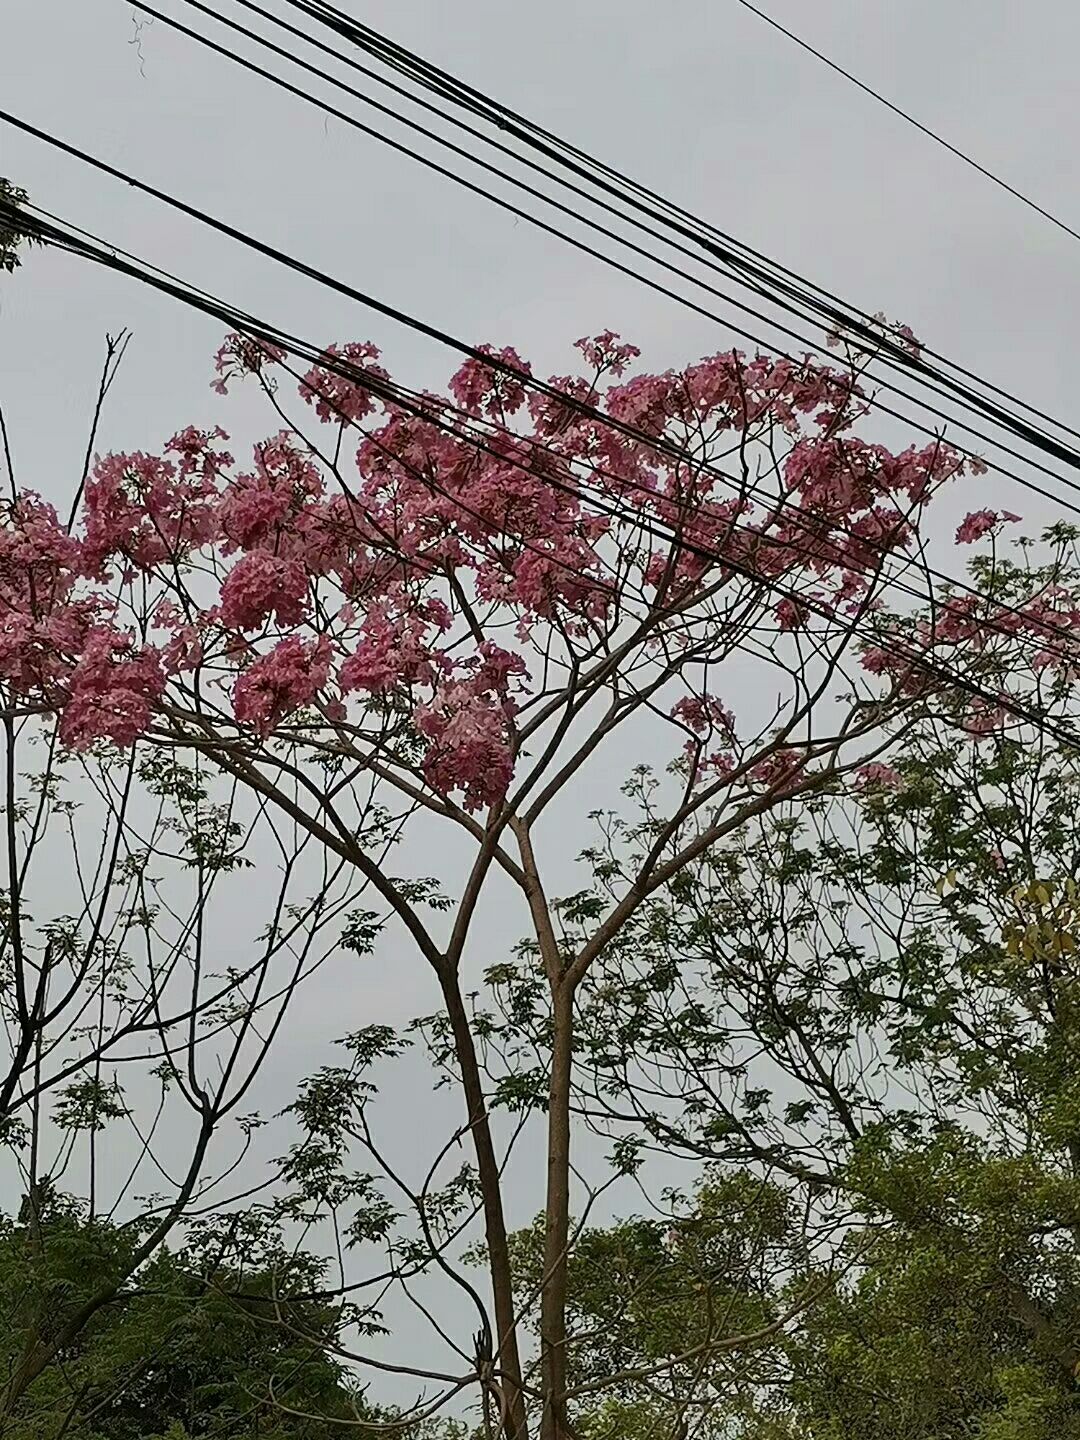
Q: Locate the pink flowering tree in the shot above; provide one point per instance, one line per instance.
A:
(455, 616)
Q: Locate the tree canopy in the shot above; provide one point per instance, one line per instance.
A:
(195, 1343)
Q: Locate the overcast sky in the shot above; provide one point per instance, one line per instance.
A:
(696, 98)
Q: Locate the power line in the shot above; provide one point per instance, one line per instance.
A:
(715, 242)
(421, 407)
(911, 120)
(935, 383)
(1041, 441)
(657, 443)
(403, 396)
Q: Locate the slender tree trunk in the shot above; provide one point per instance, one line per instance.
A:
(562, 982)
(557, 1217)
(505, 1348)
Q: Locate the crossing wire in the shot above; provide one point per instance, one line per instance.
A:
(421, 407)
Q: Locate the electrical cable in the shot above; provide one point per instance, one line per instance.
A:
(911, 120)
(56, 236)
(658, 444)
(1040, 440)
(714, 241)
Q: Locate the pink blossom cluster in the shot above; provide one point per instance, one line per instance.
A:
(305, 581)
(878, 776)
(984, 635)
(982, 522)
(397, 645)
(284, 680)
(489, 389)
(703, 714)
(242, 355)
(112, 690)
(337, 398)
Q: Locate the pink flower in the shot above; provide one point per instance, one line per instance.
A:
(255, 507)
(260, 585)
(980, 522)
(714, 766)
(146, 510)
(395, 649)
(553, 416)
(251, 508)
(606, 352)
(780, 770)
(483, 390)
(183, 650)
(285, 680)
(337, 399)
(790, 615)
(703, 713)
(39, 567)
(876, 776)
(242, 355)
(646, 402)
(111, 691)
(198, 453)
(469, 747)
(907, 335)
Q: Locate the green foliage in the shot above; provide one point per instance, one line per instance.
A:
(651, 1298)
(201, 1342)
(12, 234)
(88, 1104)
(868, 1003)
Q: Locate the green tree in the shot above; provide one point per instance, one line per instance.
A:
(198, 1342)
(676, 1325)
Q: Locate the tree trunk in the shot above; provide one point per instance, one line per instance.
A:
(505, 1347)
(557, 1217)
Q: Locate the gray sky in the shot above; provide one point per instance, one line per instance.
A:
(695, 97)
(699, 99)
